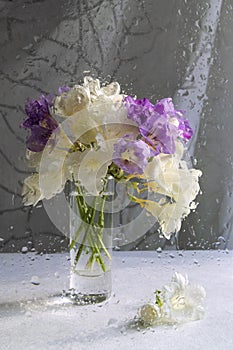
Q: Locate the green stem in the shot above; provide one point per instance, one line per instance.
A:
(92, 215)
(79, 230)
(103, 246)
(83, 209)
(101, 216)
(95, 253)
(88, 215)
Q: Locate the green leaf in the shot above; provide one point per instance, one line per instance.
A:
(158, 300)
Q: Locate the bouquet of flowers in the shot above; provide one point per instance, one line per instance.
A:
(88, 133)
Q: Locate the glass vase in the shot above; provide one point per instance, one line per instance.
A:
(90, 245)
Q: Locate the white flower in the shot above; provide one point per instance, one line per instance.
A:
(94, 166)
(31, 190)
(33, 159)
(81, 96)
(52, 171)
(181, 300)
(177, 302)
(104, 117)
(170, 177)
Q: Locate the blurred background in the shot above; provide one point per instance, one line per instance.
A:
(154, 48)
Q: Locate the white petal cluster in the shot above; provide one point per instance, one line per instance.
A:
(169, 176)
(31, 190)
(92, 115)
(82, 96)
(180, 302)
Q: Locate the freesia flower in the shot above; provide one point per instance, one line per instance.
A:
(100, 118)
(53, 168)
(81, 96)
(40, 122)
(94, 167)
(31, 190)
(159, 124)
(130, 155)
(138, 110)
(160, 134)
(178, 185)
(183, 301)
(166, 107)
(177, 302)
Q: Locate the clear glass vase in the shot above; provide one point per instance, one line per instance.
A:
(90, 245)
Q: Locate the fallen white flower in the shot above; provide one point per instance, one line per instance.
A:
(178, 302)
(182, 300)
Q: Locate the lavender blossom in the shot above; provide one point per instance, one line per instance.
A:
(138, 110)
(160, 124)
(160, 134)
(185, 130)
(63, 89)
(130, 155)
(40, 122)
(166, 107)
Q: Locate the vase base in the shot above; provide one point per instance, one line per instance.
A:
(85, 299)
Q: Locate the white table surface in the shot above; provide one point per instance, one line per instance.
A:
(136, 275)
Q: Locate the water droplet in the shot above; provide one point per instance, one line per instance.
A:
(24, 250)
(35, 280)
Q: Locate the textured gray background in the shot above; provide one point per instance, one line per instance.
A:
(155, 48)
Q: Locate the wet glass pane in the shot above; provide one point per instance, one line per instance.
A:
(154, 49)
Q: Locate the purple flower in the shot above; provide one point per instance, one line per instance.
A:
(39, 121)
(160, 124)
(130, 155)
(185, 130)
(63, 89)
(37, 140)
(160, 134)
(138, 110)
(166, 107)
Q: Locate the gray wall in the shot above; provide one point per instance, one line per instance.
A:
(152, 48)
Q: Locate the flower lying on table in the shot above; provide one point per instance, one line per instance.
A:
(177, 302)
(88, 133)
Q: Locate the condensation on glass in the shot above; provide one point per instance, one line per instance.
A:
(178, 48)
